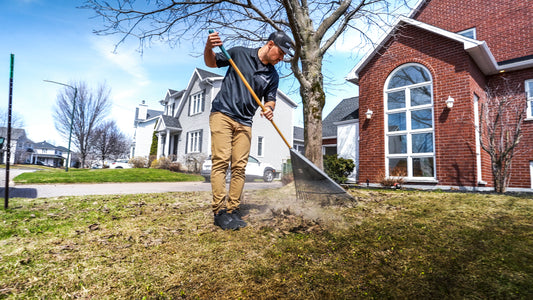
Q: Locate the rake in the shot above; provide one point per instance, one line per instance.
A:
(310, 182)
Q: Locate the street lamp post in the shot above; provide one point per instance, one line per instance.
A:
(71, 118)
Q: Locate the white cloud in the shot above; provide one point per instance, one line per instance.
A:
(130, 61)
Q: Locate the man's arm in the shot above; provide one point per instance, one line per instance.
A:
(213, 40)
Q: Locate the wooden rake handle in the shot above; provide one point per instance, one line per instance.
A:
(232, 63)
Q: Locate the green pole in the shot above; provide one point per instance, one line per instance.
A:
(8, 157)
(71, 123)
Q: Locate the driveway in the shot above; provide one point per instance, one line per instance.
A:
(56, 190)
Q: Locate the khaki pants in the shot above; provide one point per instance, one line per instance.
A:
(230, 141)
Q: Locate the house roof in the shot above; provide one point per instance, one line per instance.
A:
(150, 113)
(347, 109)
(16, 133)
(43, 145)
(478, 50)
(171, 122)
(206, 74)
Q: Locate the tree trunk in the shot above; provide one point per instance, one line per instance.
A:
(499, 179)
(313, 99)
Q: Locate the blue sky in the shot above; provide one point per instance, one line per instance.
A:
(54, 40)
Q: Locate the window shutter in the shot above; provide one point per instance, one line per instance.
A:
(203, 101)
(187, 144)
(190, 104)
(201, 139)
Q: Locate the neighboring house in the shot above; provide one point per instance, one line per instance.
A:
(298, 139)
(19, 145)
(74, 159)
(144, 125)
(340, 129)
(445, 50)
(346, 112)
(183, 129)
(47, 154)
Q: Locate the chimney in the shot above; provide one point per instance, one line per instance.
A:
(143, 111)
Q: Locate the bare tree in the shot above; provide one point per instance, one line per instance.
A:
(90, 109)
(17, 121)
(315, 27)
(502, 116)
(109, 142)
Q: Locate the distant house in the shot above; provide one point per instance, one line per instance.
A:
(340, 129)
(424, 86)
(144, 125)
(183, 133)
(20, 145)
(298, 139)
(46, 154)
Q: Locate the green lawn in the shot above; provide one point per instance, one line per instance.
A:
(103, 175)
(390, 244)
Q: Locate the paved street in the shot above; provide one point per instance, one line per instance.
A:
(56, 190)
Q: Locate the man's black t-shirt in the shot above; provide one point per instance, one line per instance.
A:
(234, 99)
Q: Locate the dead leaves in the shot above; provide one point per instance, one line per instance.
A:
(286, 222)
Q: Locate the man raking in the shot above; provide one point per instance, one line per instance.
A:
(231, 117)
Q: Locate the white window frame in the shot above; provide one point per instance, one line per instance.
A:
(194, 139)
(531, 173)
(324, 150)
(196, 101)
(529, 97)
(478, 140)
(408, 132)
(260, 146)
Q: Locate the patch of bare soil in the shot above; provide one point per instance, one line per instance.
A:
(281, 211)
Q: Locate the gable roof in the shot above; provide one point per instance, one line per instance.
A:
(43, 145)
(478, 50)
(347, 109)
(206, 74)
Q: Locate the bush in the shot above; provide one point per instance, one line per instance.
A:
(175, 167)
(161, 163)
(151, 159)
(395, 180)
(139, 162)
(338, 168)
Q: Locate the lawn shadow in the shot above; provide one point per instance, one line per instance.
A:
(19, 192)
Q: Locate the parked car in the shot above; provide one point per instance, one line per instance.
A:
(120, 164)
(254, 170)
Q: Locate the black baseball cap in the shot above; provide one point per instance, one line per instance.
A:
(283, 41)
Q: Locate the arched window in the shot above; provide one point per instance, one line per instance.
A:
(409, 125)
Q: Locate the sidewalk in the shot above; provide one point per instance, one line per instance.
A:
(56, 190)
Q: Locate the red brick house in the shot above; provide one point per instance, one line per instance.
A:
(445, 50)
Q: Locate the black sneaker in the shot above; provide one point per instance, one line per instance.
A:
(225, 221)
(236, 216)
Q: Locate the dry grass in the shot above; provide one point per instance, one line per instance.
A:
(392, 244)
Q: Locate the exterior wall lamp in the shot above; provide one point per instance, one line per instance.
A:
(449, 102)
(369, 114)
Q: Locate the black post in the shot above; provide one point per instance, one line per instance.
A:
(8, 157)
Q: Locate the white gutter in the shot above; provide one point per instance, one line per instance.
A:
(478, 50)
